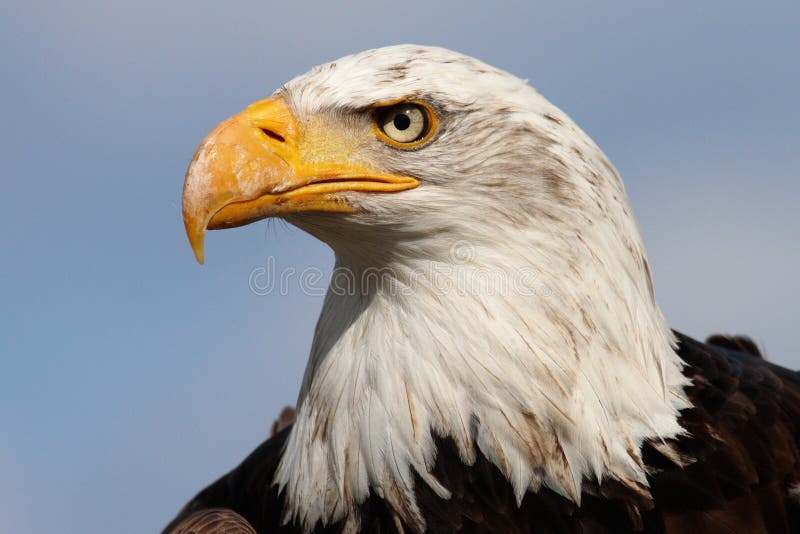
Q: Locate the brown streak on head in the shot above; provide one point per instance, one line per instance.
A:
(553, 118)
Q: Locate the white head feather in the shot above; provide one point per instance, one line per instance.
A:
(505, 303)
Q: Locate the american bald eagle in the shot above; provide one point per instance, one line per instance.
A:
(496, 360)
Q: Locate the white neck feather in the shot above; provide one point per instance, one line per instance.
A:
(545, 353)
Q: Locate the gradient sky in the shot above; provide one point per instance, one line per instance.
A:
(130, 377)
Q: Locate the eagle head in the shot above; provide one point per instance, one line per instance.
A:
(404, 146)
(519, 318)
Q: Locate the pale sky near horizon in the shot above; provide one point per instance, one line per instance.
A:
(131, 377)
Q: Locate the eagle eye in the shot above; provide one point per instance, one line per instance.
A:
(405, 125)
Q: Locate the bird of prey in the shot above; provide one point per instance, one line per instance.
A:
(490, 356)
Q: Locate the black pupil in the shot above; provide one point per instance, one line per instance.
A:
(401, 121)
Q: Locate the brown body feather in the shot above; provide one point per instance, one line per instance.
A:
(732, 472)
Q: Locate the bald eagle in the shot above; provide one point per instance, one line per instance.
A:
(490, 356)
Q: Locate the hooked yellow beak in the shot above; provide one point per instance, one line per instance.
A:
(257, 164)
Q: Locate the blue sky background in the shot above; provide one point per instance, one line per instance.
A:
(130, 376)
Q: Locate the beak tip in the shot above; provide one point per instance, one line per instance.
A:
(198, 249)
(197, 236)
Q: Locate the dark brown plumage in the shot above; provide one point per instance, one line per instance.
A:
(284, 420)
(732, 472)
(740, 343)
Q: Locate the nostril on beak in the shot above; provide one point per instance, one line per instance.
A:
(273, 135)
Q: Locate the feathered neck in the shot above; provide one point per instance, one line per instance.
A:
(544, 351)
